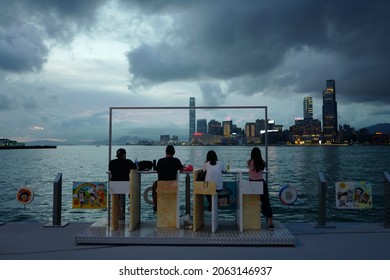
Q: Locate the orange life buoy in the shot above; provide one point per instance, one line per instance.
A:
(25, 195)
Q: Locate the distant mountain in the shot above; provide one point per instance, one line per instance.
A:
(380, 127)
(44, 143)
(124, 140)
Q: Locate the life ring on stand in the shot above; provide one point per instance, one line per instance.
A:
(25, 195)
(288, 195)
(146, 195)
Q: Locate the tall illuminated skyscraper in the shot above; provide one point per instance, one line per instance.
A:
(192, 118)
(227, 127)
(308, 108)
(329, 112)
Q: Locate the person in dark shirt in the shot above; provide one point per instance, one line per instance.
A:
(166, 168)
(120, 171)
(120, 167)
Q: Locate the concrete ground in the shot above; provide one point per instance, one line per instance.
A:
(340, 241)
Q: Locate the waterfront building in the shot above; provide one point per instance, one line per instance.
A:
(192, 118)
(215, 127)
(329, 113)
(227, 128)
(262, 124)
(164, 139)
(250, 130)
(175, 139)
(201, 126)
(9, 143)
(308, 107)
(206, 139)
(251, 133)
(306, 131)
(364, 136)
(347, 134)
(271, 125)
(278, 127)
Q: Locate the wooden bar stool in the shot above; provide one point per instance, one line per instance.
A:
(117, 188)
(168, 204)
(249, 204)
(202, 188)
(126, 187)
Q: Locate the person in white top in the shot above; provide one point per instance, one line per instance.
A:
(214, 170)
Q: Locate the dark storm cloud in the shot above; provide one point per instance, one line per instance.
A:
(24, 26)
(78, 123)
(22, 49)
(6, 103)
(275, 45)
(212, 93)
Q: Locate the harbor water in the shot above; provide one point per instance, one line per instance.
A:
(297, 166)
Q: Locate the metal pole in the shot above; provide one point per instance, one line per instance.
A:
(109, 176)
(57, 203)
(266, 141)
(387, 199)
(321, 200)
(188, 202)
(57, 200)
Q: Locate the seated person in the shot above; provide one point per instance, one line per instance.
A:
(120, 171)
(214, 170)
(120, 167)
(256, 167)
(166, 168)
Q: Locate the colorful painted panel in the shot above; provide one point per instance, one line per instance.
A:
(227, 197)
(353, 195)
(89, 195)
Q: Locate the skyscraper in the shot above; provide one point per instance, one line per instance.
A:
(329, 112)
(308, 108)
(215, 128)
(250, 129)
(227, 127)
(192, 118)
(201, 126)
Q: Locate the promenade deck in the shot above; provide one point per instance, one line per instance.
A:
(148, 234)
(340, 241)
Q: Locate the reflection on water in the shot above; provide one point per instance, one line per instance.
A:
(296, 166)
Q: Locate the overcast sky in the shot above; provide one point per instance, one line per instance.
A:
(64, 63)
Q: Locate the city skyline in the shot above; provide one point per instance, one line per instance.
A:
(257, 125)
(62, 66)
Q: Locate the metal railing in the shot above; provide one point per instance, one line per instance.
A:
(322, 201)
(322, 187)
(386, 190)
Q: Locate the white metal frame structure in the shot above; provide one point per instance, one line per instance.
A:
(265, 108)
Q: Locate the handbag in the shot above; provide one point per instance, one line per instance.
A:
(145, 165)
(202, 175)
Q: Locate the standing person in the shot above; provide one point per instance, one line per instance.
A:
(256, 167)
(120, 171)
(214, 170)
(166, 168)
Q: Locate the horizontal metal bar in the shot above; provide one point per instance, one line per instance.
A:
(188, 107)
